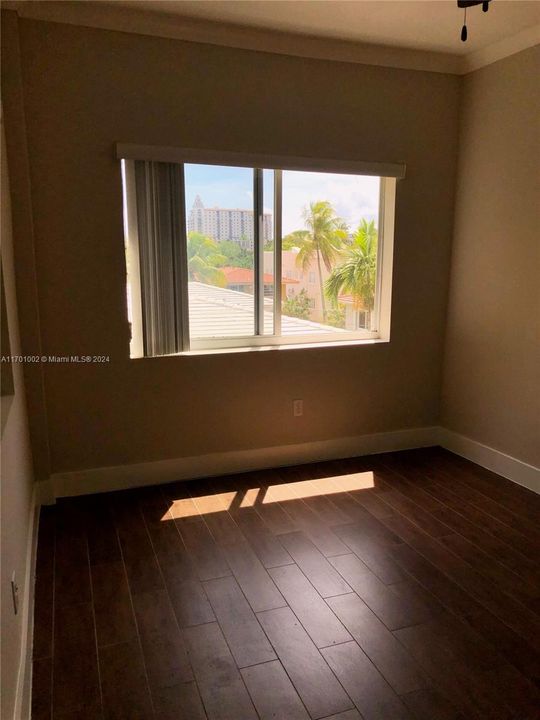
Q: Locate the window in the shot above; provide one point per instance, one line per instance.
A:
(205, 244)
(362, 319)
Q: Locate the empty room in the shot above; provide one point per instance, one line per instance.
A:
(270, 362)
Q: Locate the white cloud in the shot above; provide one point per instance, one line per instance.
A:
(352, 196)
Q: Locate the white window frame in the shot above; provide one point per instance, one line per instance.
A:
(388, 173)
(364, 312)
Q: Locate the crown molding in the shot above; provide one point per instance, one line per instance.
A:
(147, 22)
(504, 48)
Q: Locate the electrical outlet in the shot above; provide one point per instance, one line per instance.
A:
(298, 408)
(15, 594)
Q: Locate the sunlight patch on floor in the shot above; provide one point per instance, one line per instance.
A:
(283, 492)
(348, 482)
(250, 497)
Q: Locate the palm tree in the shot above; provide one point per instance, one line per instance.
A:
(356, 275)
(293, 240)
(322, 239)
(204, 260)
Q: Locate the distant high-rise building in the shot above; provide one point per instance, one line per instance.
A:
(231, 224)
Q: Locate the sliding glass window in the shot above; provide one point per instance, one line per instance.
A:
(224, 256)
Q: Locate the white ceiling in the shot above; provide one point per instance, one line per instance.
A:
(432, 25)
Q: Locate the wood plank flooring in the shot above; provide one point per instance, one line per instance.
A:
(398, 586)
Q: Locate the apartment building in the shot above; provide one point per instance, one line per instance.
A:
(234, 224)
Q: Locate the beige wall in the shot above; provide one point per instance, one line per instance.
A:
(491, 390)
(23, 248)
(16, 499)
(84, 90)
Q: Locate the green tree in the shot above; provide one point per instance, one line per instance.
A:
(356, 275)
(293, 240)
(297, 305)
(336, 317)
(322, 240)
(204, 260)
(235, 255)
(289, 242)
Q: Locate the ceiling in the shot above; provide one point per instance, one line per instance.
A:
(432, 25)
(411, 34)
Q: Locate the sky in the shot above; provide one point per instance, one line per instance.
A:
(352, 196)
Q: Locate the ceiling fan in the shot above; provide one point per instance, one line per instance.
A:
(467, 4)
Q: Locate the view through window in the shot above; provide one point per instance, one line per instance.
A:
(270, 255)
(329, 247)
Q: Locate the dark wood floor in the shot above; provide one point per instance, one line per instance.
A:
(395, 586)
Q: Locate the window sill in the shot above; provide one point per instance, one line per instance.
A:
(295, 346)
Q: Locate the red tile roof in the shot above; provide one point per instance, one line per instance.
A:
(351, 300)
(244, 276)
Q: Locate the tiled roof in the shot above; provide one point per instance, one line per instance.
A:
(351, 300)
(245, 276)
(220, 312)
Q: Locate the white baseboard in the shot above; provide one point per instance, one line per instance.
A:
(122, 477)
(23, 697)
(498, 462)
